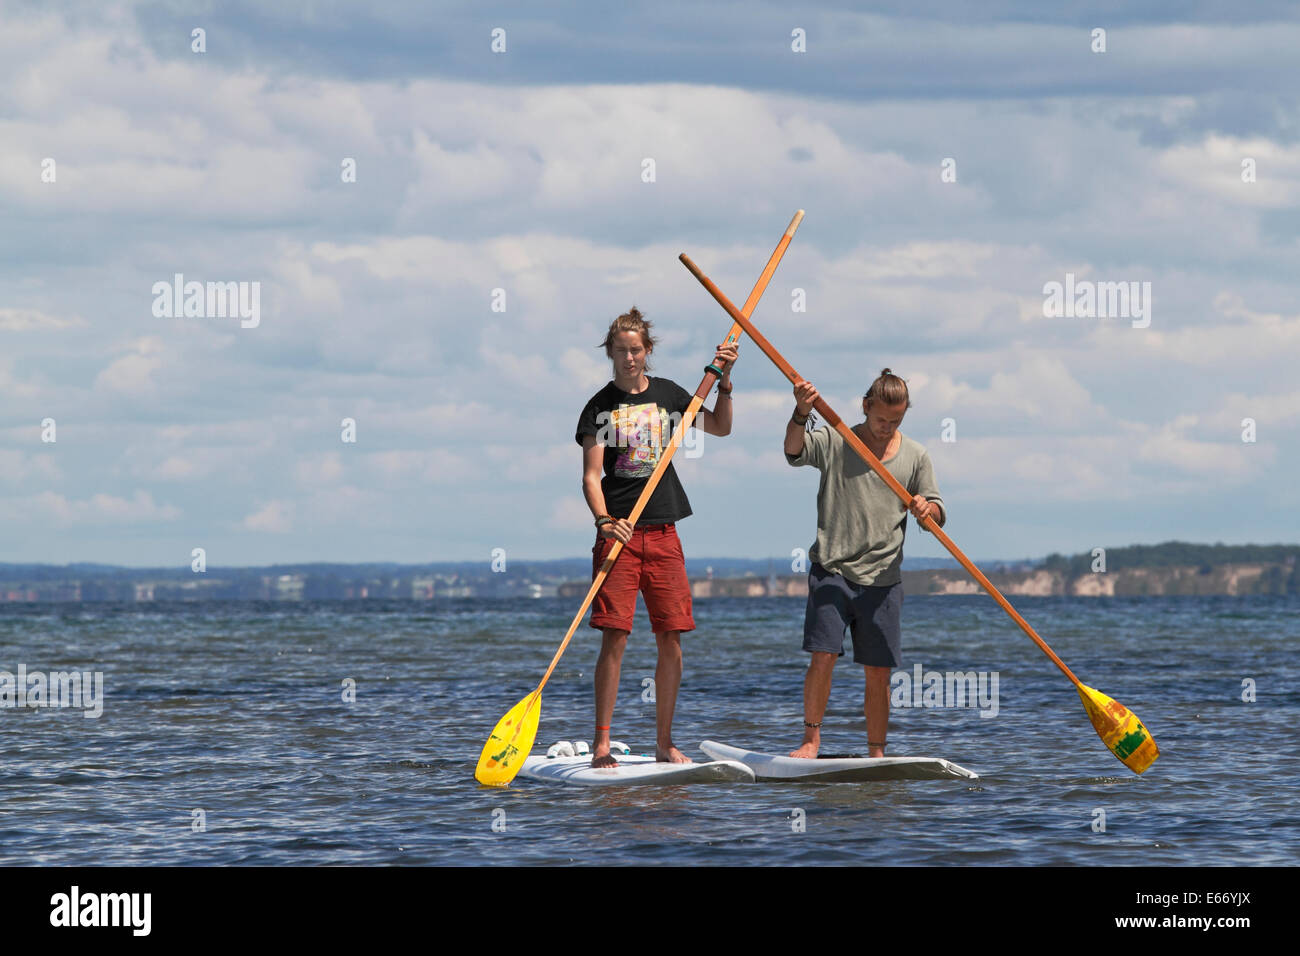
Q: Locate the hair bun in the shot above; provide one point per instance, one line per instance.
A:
(631, 321)
(888, 388)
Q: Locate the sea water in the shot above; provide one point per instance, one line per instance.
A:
(347, 733)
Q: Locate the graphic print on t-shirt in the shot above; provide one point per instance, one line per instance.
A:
(639, 430)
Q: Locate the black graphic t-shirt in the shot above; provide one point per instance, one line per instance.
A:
(635, 429)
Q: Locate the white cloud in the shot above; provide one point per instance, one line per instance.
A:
(413, 468)
(1232, 338)
(1224, 459)
(1213, 168)
(311, 287)
(275, 517)
(11, 385)
(1270, 412)
(99, 508)
(1067, 469)
(766, 399)
(939, 259)
(325, 469)
(719, 462)
(524, 462)
(23, 320)
(349, 506)
(133, 373)
(1041, 389)
(457, 177)
(17, 467)
(176, 468)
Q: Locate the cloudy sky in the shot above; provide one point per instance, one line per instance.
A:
(951, 165)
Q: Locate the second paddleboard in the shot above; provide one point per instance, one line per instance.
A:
(839, 769)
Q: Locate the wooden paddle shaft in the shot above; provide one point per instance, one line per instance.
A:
(688, 418)
(838, 424)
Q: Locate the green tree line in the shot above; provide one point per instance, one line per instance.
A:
(1175, 554)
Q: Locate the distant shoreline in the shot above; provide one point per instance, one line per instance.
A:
(1174, 568)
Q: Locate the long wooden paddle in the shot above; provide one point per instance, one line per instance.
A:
(1119, 728)
(512, 739)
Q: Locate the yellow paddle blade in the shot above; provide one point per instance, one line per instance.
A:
(1119, 729)
(511, 740)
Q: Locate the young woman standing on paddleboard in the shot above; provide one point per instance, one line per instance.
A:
(623, 430)
(855, 580)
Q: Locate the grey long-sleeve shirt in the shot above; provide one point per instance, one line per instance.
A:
(860, 522)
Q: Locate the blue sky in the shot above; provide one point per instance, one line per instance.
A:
(522, 170)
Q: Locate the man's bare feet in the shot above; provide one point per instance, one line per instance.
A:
(807, 751)
(671, 754)
(601, 757)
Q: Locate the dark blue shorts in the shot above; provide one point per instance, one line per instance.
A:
(873, 615)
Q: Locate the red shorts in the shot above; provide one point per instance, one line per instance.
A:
(651, 563)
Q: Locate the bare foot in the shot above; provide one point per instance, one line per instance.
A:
(807, 751)
(601, 757)
(671, 754)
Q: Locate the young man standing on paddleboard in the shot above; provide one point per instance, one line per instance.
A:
(855, 580)
(623, 430)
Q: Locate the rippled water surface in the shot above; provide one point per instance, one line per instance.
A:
(237, 710)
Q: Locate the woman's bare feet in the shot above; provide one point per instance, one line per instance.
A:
(671, 754)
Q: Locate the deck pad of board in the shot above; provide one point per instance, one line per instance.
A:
(633, 769)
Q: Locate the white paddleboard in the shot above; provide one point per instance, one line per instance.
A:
(839, 769)
(633, 769)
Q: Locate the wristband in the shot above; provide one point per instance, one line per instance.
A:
(724, 391)
(602, 520)
(794, 417)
